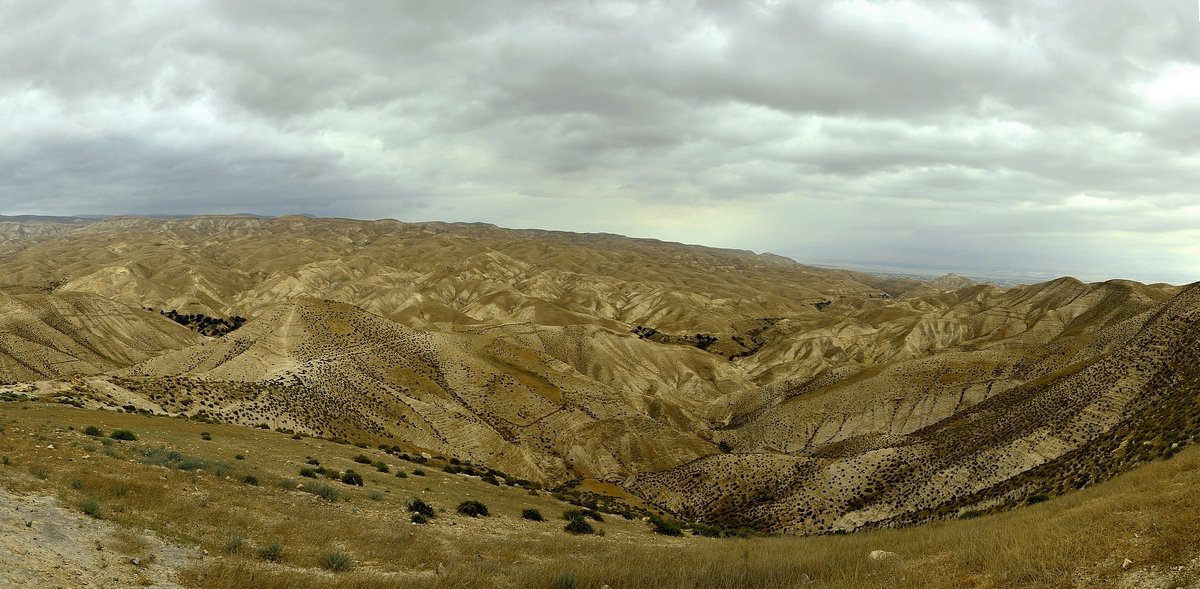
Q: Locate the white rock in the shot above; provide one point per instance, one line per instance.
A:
(1125, 565)
(882, 555)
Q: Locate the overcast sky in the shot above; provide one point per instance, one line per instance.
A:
(1024, 137)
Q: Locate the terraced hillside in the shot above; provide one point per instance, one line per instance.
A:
(721, 386)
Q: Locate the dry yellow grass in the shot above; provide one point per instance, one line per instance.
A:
(1149, 516)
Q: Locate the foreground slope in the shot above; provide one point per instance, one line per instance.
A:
(181, 505)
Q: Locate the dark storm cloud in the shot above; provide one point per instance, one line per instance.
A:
(952, 134)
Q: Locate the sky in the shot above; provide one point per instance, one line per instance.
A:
(987, 137)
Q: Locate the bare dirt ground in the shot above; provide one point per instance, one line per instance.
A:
(45, 546)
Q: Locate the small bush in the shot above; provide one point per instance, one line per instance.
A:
(421, 507)
(420, 518)
(76, 484)
(665, 527)
(579, 526)
(362, 459)
(308, 473)
(123, 435)
(970, 514)
(400, 474)
(272, 552)
(239, 457)
(121, 489)
(234, 545)
(250, 480)
(375, 495)
(1034, 499)
(93, 431)
(472, 508)
(312, 461)
(90, 506)
(491, 480)
(532, 515)
(565, 581)
(382, 467)
(418, 472)
(40, 472)
(205, 436)
(352, 478)
(338, 562)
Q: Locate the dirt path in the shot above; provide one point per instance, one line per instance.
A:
(45, 546)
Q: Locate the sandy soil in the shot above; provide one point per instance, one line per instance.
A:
(44, 546)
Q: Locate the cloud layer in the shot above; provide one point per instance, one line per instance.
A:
(984, 137)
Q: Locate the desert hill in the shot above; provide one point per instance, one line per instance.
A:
(722, 386)
(56, 336)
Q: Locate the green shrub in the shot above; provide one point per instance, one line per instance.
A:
(312, 461)
(565, 581)
(420, 518)
(239, 457)
(90, 506)
(234, 545)
(375, 495)
(362, 459)
(338, 562)
(250, 480)
(491, 480)
(205, 436)
(472, 508)
(272, 552)
(400, 474)
(308, 473)
(381, 466)
(1033, 499)
(578, 525)
(665, 527)
(532, 514)
(123, 435)
(421, 507)
(418, 472)
(93, 431)
(76, 484)
(352, 478)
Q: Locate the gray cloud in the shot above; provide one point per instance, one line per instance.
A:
(1057, 138)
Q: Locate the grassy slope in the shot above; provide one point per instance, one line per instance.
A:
(1148, 516)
